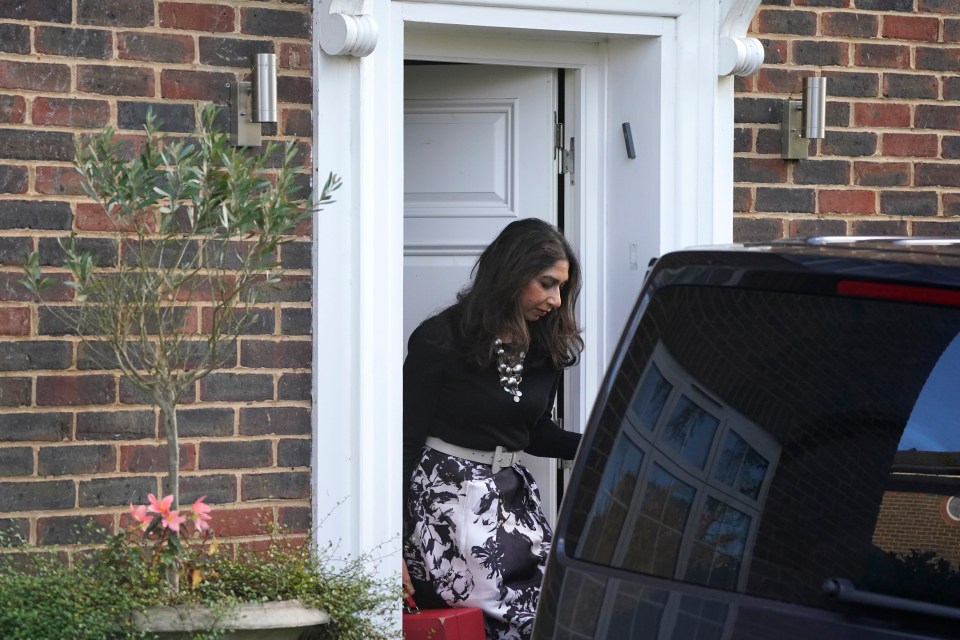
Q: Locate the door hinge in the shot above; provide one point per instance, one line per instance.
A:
(561, 154)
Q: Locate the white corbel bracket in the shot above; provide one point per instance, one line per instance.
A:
(738, 56)
(345, 29)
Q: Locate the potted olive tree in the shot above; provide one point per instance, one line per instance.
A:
(198, 224)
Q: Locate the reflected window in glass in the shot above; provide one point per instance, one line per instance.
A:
(690, 431)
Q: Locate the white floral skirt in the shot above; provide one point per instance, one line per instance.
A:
(479, 540)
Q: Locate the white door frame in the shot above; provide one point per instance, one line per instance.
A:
(358, 241)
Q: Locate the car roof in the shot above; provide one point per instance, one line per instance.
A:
(919, 260)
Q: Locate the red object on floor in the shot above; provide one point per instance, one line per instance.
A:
(444, 624)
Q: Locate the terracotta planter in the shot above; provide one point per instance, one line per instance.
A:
(284, 620)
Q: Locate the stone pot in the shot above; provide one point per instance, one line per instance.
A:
(284, 620)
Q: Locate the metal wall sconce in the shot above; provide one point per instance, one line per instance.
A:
(252, 103)
(804, 120)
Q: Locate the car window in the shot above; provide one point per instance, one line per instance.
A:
(762, 442)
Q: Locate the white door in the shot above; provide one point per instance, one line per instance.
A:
(478, 154)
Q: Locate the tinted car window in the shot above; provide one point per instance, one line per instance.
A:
(762, 442)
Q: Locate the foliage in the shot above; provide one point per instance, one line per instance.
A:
(197, 224)
(95, 599)
(918, 575)
(45, 598)
(295, 570)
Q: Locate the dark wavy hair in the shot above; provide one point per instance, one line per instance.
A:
(490, 305)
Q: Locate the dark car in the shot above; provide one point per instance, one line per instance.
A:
(774, 452)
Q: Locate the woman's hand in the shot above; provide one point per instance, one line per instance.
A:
(407, 583)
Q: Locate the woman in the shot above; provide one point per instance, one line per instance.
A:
(480, 380)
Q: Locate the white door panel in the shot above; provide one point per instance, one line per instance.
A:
(478, 154)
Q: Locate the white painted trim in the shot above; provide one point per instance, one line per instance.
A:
(358, 241)
(345, 27)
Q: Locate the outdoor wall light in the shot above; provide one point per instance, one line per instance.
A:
(252, 103)
(804, 120)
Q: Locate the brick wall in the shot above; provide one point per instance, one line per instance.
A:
(890, 162)
(918, 521)
(77, 444)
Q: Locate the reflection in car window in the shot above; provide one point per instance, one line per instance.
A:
(777, 439)
(916, 536)
(937, 407)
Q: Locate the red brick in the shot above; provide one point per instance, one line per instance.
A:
(911, 28)
(155, 47)
(888, 56)
(14, 321)
(91, 217)
(116, 81)
(882, 174)
(951, 204)
(881, 114)
(140, 458)
(296, 56)
(75, 390)
(781, 80)
(241, 522)
(296, 122)
(847, 201)
(294, 89)
(186, 16)
(70, 112)
(35, 76)
(180, 84)
(13, 109)
(59, 181)
(759, 170)
(742, 202)
(916, 145)
(854, 24)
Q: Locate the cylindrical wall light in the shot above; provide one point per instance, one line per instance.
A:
(814, 107)
(804, 120)
(264, 87)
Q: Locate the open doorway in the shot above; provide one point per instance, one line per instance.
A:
(482, 148)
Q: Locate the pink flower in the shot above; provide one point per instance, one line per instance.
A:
(200, 514)
(140, 515)
(160, 507)
(172, 520)
(168, 519)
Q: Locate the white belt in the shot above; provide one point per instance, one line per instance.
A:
(498, 458)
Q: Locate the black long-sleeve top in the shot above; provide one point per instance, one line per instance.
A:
(463, 404)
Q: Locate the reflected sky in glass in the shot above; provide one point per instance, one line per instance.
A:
(934, 424)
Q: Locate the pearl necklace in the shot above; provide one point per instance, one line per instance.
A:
(511, 373)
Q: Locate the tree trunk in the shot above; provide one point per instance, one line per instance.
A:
(168, 417)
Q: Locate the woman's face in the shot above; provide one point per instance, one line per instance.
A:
(541, 295)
